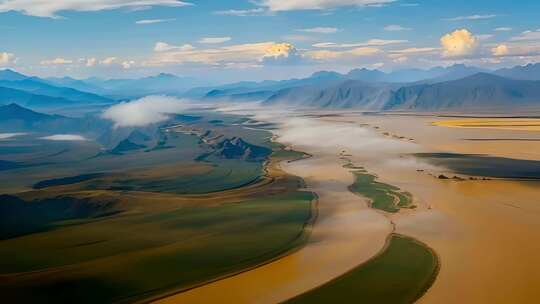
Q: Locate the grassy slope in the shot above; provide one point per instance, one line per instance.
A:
(400, 274)
(161, 241)
(146, 254)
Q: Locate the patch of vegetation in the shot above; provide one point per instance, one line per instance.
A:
(383, 196)
(138, 255)
(483, 165)
(399, 275)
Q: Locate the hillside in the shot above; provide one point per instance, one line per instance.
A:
(481, 91)
(347, 94)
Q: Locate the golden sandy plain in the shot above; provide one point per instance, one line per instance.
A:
(517, 124)
(486, 233)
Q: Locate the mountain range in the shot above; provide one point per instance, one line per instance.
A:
(456, 87)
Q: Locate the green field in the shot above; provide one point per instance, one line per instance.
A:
(383, 196)
(102, 227)
(140, 254)
(399, 275)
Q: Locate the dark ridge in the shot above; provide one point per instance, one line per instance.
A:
(19, 217)
(66, 180)
(483, 165)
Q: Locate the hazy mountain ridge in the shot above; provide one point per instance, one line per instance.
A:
(346, 94)
(526, 72)
(479, 91)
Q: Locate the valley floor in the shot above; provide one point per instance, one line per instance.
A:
(484, 229)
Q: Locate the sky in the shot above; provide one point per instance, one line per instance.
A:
(230, 40)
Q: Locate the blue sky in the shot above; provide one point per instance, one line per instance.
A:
(261, 39)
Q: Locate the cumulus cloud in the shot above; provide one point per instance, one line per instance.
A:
(7, 59)
(145, 111)
(396, 28)
(153, 21)
(371, 42)
(500, 50)
(56, 61)
(290, 5)
(214, 40)
(458, 43)
(65, 137)
(320, 30)
(41, 8)
(281, 53)
(471, 17)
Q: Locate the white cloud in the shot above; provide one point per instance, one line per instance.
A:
(290, 5)
(298, 38)
(44, 8)
(7, 59)
(415, 50)
(108, 61)
(471, 17)
(527, 36)
(281, 53)
(164, 47)
(320, 30)
(371, 42)
(10, 135)
(90, 62)
(56, 61)
(214, 40)
(65, 137)
(243, 13)
(127, 64)
(325, 55)
(503, 29)
(145, 111)
(484, 37)
(400, 59)
(152, 21)
(233, 55)
(458, 43)
(500, 50)
(396, 28)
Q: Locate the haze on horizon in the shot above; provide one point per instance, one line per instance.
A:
(255, 40)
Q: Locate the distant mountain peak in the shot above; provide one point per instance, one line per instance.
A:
(8, 74)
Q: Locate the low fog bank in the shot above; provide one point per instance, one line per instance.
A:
(65, 137)
(147, 110)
